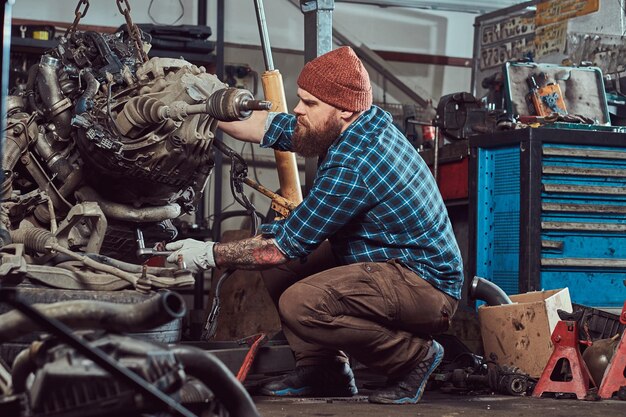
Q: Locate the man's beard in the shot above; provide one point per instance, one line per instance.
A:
(309, 142)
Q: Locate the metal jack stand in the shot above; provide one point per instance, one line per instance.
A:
(565, 340)
(614, 379)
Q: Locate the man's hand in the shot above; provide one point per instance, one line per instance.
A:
(196, 254)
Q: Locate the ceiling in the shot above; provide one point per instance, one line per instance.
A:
(475, 6)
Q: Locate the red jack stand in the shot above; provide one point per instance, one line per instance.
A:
(565, 340)
(614, 378)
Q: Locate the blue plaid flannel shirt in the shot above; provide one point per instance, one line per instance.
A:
(374, 199)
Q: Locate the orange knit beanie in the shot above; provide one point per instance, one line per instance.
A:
(339, 79)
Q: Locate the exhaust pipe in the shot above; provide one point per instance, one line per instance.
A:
(482, 289)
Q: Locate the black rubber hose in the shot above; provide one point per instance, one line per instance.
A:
(85, 101)
(482, 289)
(214, 374)
(90, 314)
(33, 71)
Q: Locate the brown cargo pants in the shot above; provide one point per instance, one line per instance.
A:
(382, 314)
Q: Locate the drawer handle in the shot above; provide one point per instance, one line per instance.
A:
(584, 262)
(552, 244)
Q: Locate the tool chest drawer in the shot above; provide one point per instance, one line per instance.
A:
(548, 210)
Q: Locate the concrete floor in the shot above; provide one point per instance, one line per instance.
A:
(438, 404)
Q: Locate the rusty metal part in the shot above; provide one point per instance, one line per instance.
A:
(78, 14)
(124, 7)
(279, 204)
(143, 283)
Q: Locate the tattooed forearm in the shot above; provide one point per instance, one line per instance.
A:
(253, 253)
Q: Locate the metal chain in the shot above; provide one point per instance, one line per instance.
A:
(133, 30)
(78, 14)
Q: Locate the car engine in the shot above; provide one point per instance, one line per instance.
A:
(104, 147)
(87, 129)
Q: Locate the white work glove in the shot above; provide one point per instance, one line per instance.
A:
(197, 255)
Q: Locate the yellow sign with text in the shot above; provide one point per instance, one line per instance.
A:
(554, 11)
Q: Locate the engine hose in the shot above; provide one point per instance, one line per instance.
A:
(30, 85)
(125, 212)
(52, 96)
(92, 314)
(482, 289)
(214, 374)
(85, 101)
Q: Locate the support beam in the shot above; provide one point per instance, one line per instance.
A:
(463, 6)
(318, 39)
(7, 9)
(219, 174)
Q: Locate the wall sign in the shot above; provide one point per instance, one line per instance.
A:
(554, 11)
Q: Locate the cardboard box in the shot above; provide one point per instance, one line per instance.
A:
(519, 333)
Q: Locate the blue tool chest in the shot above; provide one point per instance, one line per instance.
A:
(548, 210)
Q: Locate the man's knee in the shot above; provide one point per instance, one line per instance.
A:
(301, 305)
(290, 305)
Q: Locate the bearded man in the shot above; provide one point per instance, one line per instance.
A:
(367, 265)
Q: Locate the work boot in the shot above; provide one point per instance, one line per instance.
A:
(329, 380)
(409, 388)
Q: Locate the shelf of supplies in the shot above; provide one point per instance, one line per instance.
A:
(32, 46)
